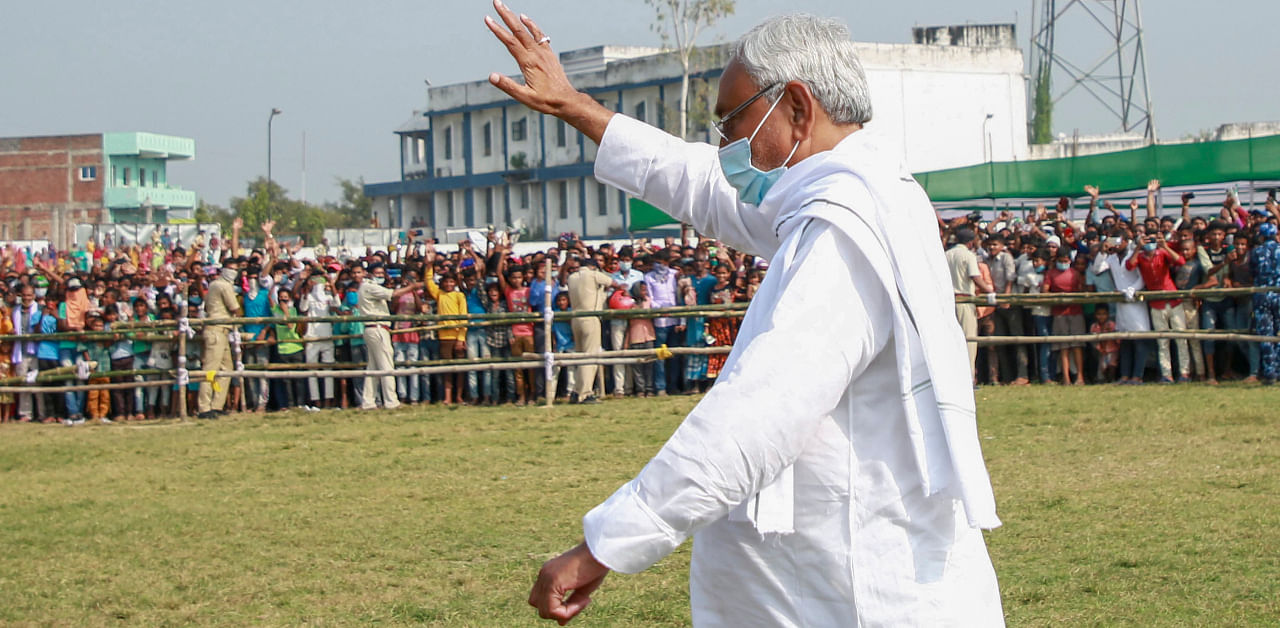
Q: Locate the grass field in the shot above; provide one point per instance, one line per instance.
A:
(1137, 506)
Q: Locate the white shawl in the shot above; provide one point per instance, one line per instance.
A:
(939, 403)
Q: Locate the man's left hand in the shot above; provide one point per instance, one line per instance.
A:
(575, 570)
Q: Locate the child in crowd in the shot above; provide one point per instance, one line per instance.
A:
(499, 339)
(195, 358)
(563, 332)
(517, 295)
(453, 339)
(121, 359)
(722, 329)
(641, 335)
(162, 358)
(288, 393)
(1068, 320)
(428, 349)
(1108, 351)
(97, 352)
(144, 399)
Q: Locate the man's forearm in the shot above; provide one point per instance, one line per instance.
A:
(583, 113)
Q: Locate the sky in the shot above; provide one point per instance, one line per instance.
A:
(346, 74)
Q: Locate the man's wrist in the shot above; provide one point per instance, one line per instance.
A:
(585, 114)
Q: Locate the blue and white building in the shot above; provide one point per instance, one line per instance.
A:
(474, 157)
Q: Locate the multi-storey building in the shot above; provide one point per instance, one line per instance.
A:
(473, 157)
(50, 183)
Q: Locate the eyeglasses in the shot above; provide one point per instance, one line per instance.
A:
(719, 126)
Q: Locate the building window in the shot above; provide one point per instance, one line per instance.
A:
(142, 177)
(602, 199)
(126, 177)
(113, 175)
(520, 130)
(88, 173)
(155, 178)
(561, 132)
(640, 111)
(524, 196)
(448, 209)
(448, 142)
(488, 139)
(564, 199)
(420, 152)
(488, 203)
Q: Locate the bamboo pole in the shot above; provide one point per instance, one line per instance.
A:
(548, 345)
(1068, 298)
(507, 317)
(64, 373)
(181, 359)
(1124, 335)
(81, 387)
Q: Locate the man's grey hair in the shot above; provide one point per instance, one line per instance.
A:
(816, 51)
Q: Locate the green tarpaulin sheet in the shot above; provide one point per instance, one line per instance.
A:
(645, 216)
(1198, 163)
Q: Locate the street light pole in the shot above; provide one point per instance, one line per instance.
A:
(274, 112)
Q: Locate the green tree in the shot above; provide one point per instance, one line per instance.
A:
(678, 23)
(208, 213)
(355, 209)
(265, 200)
(1042, 111)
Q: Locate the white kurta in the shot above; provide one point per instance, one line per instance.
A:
(1129, 316)
(813, 393)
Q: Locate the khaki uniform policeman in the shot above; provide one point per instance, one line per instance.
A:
(220, 302)
(588, 290)
(372, 301)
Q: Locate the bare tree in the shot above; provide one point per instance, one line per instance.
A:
(678, 23)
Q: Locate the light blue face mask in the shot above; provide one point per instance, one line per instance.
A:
(735, 160)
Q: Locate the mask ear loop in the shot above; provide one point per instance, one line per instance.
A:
(762, 120)
(791, 154)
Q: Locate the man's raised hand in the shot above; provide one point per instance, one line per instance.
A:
(546, 87)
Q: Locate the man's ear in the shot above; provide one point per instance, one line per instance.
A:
(804, 108)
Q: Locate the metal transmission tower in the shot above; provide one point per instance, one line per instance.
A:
(1117, 78)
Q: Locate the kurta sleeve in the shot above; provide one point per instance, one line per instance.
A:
(683, 179)
(831, 318)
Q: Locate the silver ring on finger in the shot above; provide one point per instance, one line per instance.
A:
(546, 39)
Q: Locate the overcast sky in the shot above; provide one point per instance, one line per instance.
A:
(347, 74)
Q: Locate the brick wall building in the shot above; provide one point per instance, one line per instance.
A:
(47, 184)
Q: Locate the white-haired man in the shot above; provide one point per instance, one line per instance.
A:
(833, 474)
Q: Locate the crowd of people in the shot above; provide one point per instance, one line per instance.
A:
(1113, 250)
(98, 286)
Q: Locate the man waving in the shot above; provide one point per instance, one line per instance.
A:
(832, 476)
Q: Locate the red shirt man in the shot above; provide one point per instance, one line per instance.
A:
(1155, 262)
